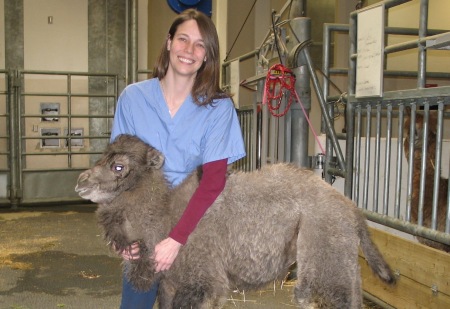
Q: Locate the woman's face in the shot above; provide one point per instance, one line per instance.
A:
(187, 49)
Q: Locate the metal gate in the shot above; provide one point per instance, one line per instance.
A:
(5, 174)
(56, 124)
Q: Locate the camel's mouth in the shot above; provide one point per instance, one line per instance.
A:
(84, 192)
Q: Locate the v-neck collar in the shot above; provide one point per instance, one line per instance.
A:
(183, 109)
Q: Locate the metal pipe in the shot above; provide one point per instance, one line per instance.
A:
(326, 66)
(350, 149)
(14, 194)
(242, 57)
(376, 179)
(412, 129)
(437, 166)
(331, 132)
(398, 176)
(297, 9)
(407, 227)
(387, 4)
(298, 124)
(423, 24)
(387, 160)
(326, 88)
(367, 159)
(447, 224)
(423, 165)
(133, 41)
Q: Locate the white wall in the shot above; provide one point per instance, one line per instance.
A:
(407, 15)
(60, 46)
(142, 34)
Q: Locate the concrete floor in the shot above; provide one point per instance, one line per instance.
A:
(56, 258)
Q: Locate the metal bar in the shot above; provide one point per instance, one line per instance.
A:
(387, 4)
(336, 172)
(65, 153)
(376, 301)
(398, 176)
(264, 129)
(437, 167)
(409, 94)
(423, 24)
(421, 41)
(20, 106)
(69, 116)
(387, 160)
(69, 120)
(331, 132)
(326, 62)
(394, 73)
(79, 95)
(367, 160)
(264, 134)
(447, 224)
(133, 41)
(356, 152)
(376, 179)
(12, 102)
(326, 89)
(86, 74)
(408, 227)
(412, 129)
(423, 166)
(242, 57)
(272, 139)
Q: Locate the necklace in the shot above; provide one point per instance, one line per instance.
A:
(165, 98)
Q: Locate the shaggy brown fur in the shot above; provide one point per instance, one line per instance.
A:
(429, 177)
(261, 224)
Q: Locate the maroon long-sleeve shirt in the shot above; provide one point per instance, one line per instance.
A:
(211, 185)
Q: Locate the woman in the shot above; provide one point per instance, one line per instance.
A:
(183, 113)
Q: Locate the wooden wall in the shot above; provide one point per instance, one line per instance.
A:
(424, 274)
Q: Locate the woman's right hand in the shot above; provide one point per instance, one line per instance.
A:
(129, 253)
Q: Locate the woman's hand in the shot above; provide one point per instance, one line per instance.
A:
(129, 253)
(165, 253)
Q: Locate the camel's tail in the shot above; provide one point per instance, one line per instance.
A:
(373, 255)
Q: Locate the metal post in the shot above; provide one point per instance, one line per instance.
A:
(299, 126)
(423, 21)
(14, 139)
(133, 41)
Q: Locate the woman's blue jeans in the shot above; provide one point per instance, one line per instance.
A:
(132, 299)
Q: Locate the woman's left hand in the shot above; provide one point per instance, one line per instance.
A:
(165, 253)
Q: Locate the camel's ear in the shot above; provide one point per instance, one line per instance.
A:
(155, 159)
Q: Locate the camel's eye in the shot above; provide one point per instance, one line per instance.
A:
(117, 167)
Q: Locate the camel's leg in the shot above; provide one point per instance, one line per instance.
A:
(166, 292)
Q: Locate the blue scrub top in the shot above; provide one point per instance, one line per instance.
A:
(194, 136)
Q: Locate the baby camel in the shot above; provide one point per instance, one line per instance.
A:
(261, 224)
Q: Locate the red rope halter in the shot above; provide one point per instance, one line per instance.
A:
(279, 80)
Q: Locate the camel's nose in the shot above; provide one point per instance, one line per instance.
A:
(83, 177)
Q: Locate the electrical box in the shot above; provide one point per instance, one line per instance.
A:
(49, 112)
(74, 140)
(49, 139)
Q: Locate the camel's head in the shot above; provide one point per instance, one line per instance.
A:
(122, 165)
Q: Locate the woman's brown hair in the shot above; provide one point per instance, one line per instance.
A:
(206, 86)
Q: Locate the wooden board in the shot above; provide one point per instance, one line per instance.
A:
(421, 270)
